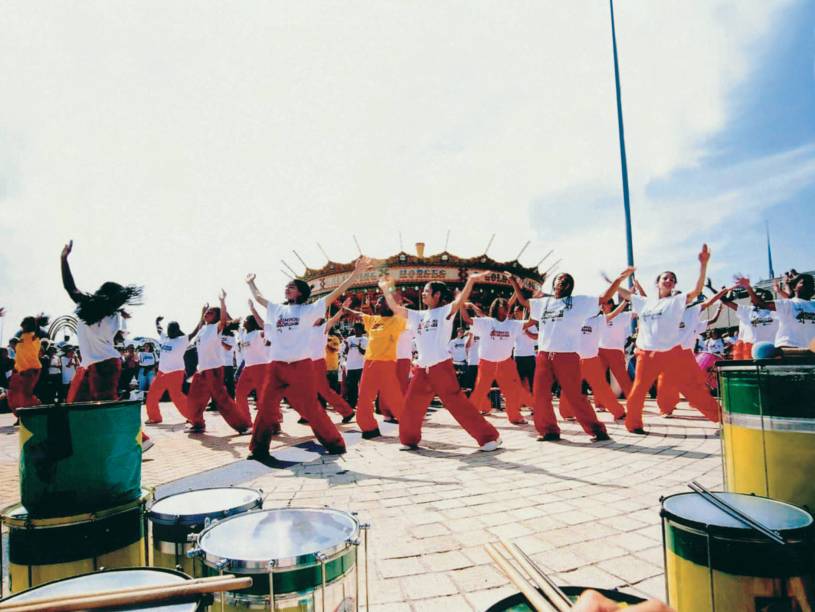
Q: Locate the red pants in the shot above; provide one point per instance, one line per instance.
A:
(565, 368)
(21, 389)
(594, 373)
(506, 373)
(743, 350)
(99, 381)
(614, 360)
(166, 381)
(210, 384)
(403, 373)
(440, 380)
(667, 390)
(252, 379)
(296, 382)
(325, 391)
(684, 373)
(378, 378)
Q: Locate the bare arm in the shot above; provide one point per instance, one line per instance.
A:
(709, 302)
(386, 285)
(255, 313)
(224, 317)
(336, 318)
(779, 290)
(756, 299)
(716, 316)
(68, 278)
(250, 280)
(200, 323)
(616, 312)
(704, 258)
(464, 296)
(616, 287)
(639, 288)
(516, 288)
(159, 328)
(362, 264)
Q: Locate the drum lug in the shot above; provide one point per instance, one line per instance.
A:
(352, 541)
(364, 525)
(222, 564)
(195, 553)
(192, 538)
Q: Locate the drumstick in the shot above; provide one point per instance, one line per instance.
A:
(552, 592)
(515, 577)
(129, 596)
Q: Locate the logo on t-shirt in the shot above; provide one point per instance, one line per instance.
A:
(499, 334)
(426, 326)
(804, 317)
(287, 322)
(586, 329)
(166, 348)
(659, 310)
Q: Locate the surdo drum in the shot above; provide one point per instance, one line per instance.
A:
(309, 556)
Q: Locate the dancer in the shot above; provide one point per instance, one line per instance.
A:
(755, 325)
(524, 350)
(290, 372)
(318, 345)
(591, 366)
(255, 351)
(99, 318)
(27, 364)
(613, 337)
(658, 348)
(796, 315)
(171, 369)
(434, 374)
(379, 375)
(498, 334)
(354, 352)
(208, 382)
(560, 318)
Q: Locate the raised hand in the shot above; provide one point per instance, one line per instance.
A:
(2, 312)
(743, 282)
(704, 254)
(251, 303)
(66, 250)
(385, 283)
(627, 272)
(477, 276)
(347, 302)
(363, 264)
(222, 295)
(204, 309)
(250, 278)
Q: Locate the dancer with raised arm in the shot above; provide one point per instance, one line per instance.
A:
(290, 372)
(27, 364)
(613, 337)
(755, 325)
(659, 349)
(171, 369)
(796, 314)
(99, 318)
(560, 318)
(318, 344)
(208, 382)
(252, 342)
(591, 366)
(434, 373)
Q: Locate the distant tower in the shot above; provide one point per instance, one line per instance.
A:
(769, 251)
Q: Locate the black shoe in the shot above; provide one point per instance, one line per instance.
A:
(550, 437)
(335, 449)
(600, 436)
(243, 431)
(302, 421)
(348, 418)
(195, 429)
(374, 433)
(639, 431)
(259, 455)
(392, 420)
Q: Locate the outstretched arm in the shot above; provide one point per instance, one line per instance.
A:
(516, 288)
(68, 278)
(464, 296)
(614, 313)
(779, 290)
(616, 286)
(250, 280)
(709, 302)
(331, 322)
(639, 288)
(200, 323)
(386, 285)
(363, 264)
(704, 258)
(255, 313)
(224, 317)
(756, 299)
(716, 316)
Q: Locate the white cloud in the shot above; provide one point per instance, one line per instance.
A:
(181, 147)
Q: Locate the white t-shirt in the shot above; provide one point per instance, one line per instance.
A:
(210, 351)
(147, 359)
(289, 328)
(659, 318)
(714, 345)
(524, 345)
(756, 324)
(474, 350)
(496, 338)
(54, 366)
(172, 353)
(68, 370)
(796, 322)
(458, 349)
(588, 343)
(317, 340)
(253, 348)
(404, 346)
(228, 353)
(689, 326)
(96, 341)
(354, 358)
(616, 331)
(433, 331)
(560, 321)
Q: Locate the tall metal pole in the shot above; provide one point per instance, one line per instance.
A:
(623, 163)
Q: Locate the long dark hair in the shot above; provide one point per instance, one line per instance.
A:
(496, 304)
(252, 323)
(441, 288)
(107, 300)
(809, 285)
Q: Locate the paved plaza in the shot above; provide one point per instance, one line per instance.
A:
(588, 511)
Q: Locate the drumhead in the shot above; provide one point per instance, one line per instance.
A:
(289, 536)
(109, 580)
(694, 511)
(194, 507)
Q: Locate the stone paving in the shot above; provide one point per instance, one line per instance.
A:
(587, 511)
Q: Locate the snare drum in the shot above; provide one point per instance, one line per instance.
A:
(715, 562)
(42, 550)
(177, 516)
(309, 557)
(110, 580)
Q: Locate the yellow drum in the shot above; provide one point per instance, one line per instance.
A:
(768, 429)
(42, 550)
(175, 517)
(715, 562)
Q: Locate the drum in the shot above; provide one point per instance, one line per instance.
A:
(42, 550)
(706, 362)
(77, 458)
(309, 557)
(110, 580)
(768, 429)
(518, 603)
(715, 562)
(176, 517)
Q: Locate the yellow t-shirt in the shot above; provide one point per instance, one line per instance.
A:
(383, 336)
(27, 355)
(332, 353)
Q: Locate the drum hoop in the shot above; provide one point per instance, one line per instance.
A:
(748, 365)
(261, 566)
(78, 406)
(25, 521)
(170, 520)
(259, 599)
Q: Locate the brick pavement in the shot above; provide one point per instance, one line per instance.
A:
(589, 512)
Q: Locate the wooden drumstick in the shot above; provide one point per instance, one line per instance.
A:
(529, 591)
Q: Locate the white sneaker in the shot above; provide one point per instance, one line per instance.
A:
(491, 445)
(408, 447)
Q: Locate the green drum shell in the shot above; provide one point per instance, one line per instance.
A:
(518, 603)
(768, 429)
(77, 458)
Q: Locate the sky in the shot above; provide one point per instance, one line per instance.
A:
(183, 145)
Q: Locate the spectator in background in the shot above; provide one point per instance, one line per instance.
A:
(12, 348)
(69, 362)
(714, 344)
(147, 367)
(332, 360)
(229, 342)
(354, 351)
(6, 367)
(130, 368)
(54, 383)
(27, 364)
(458, 351)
